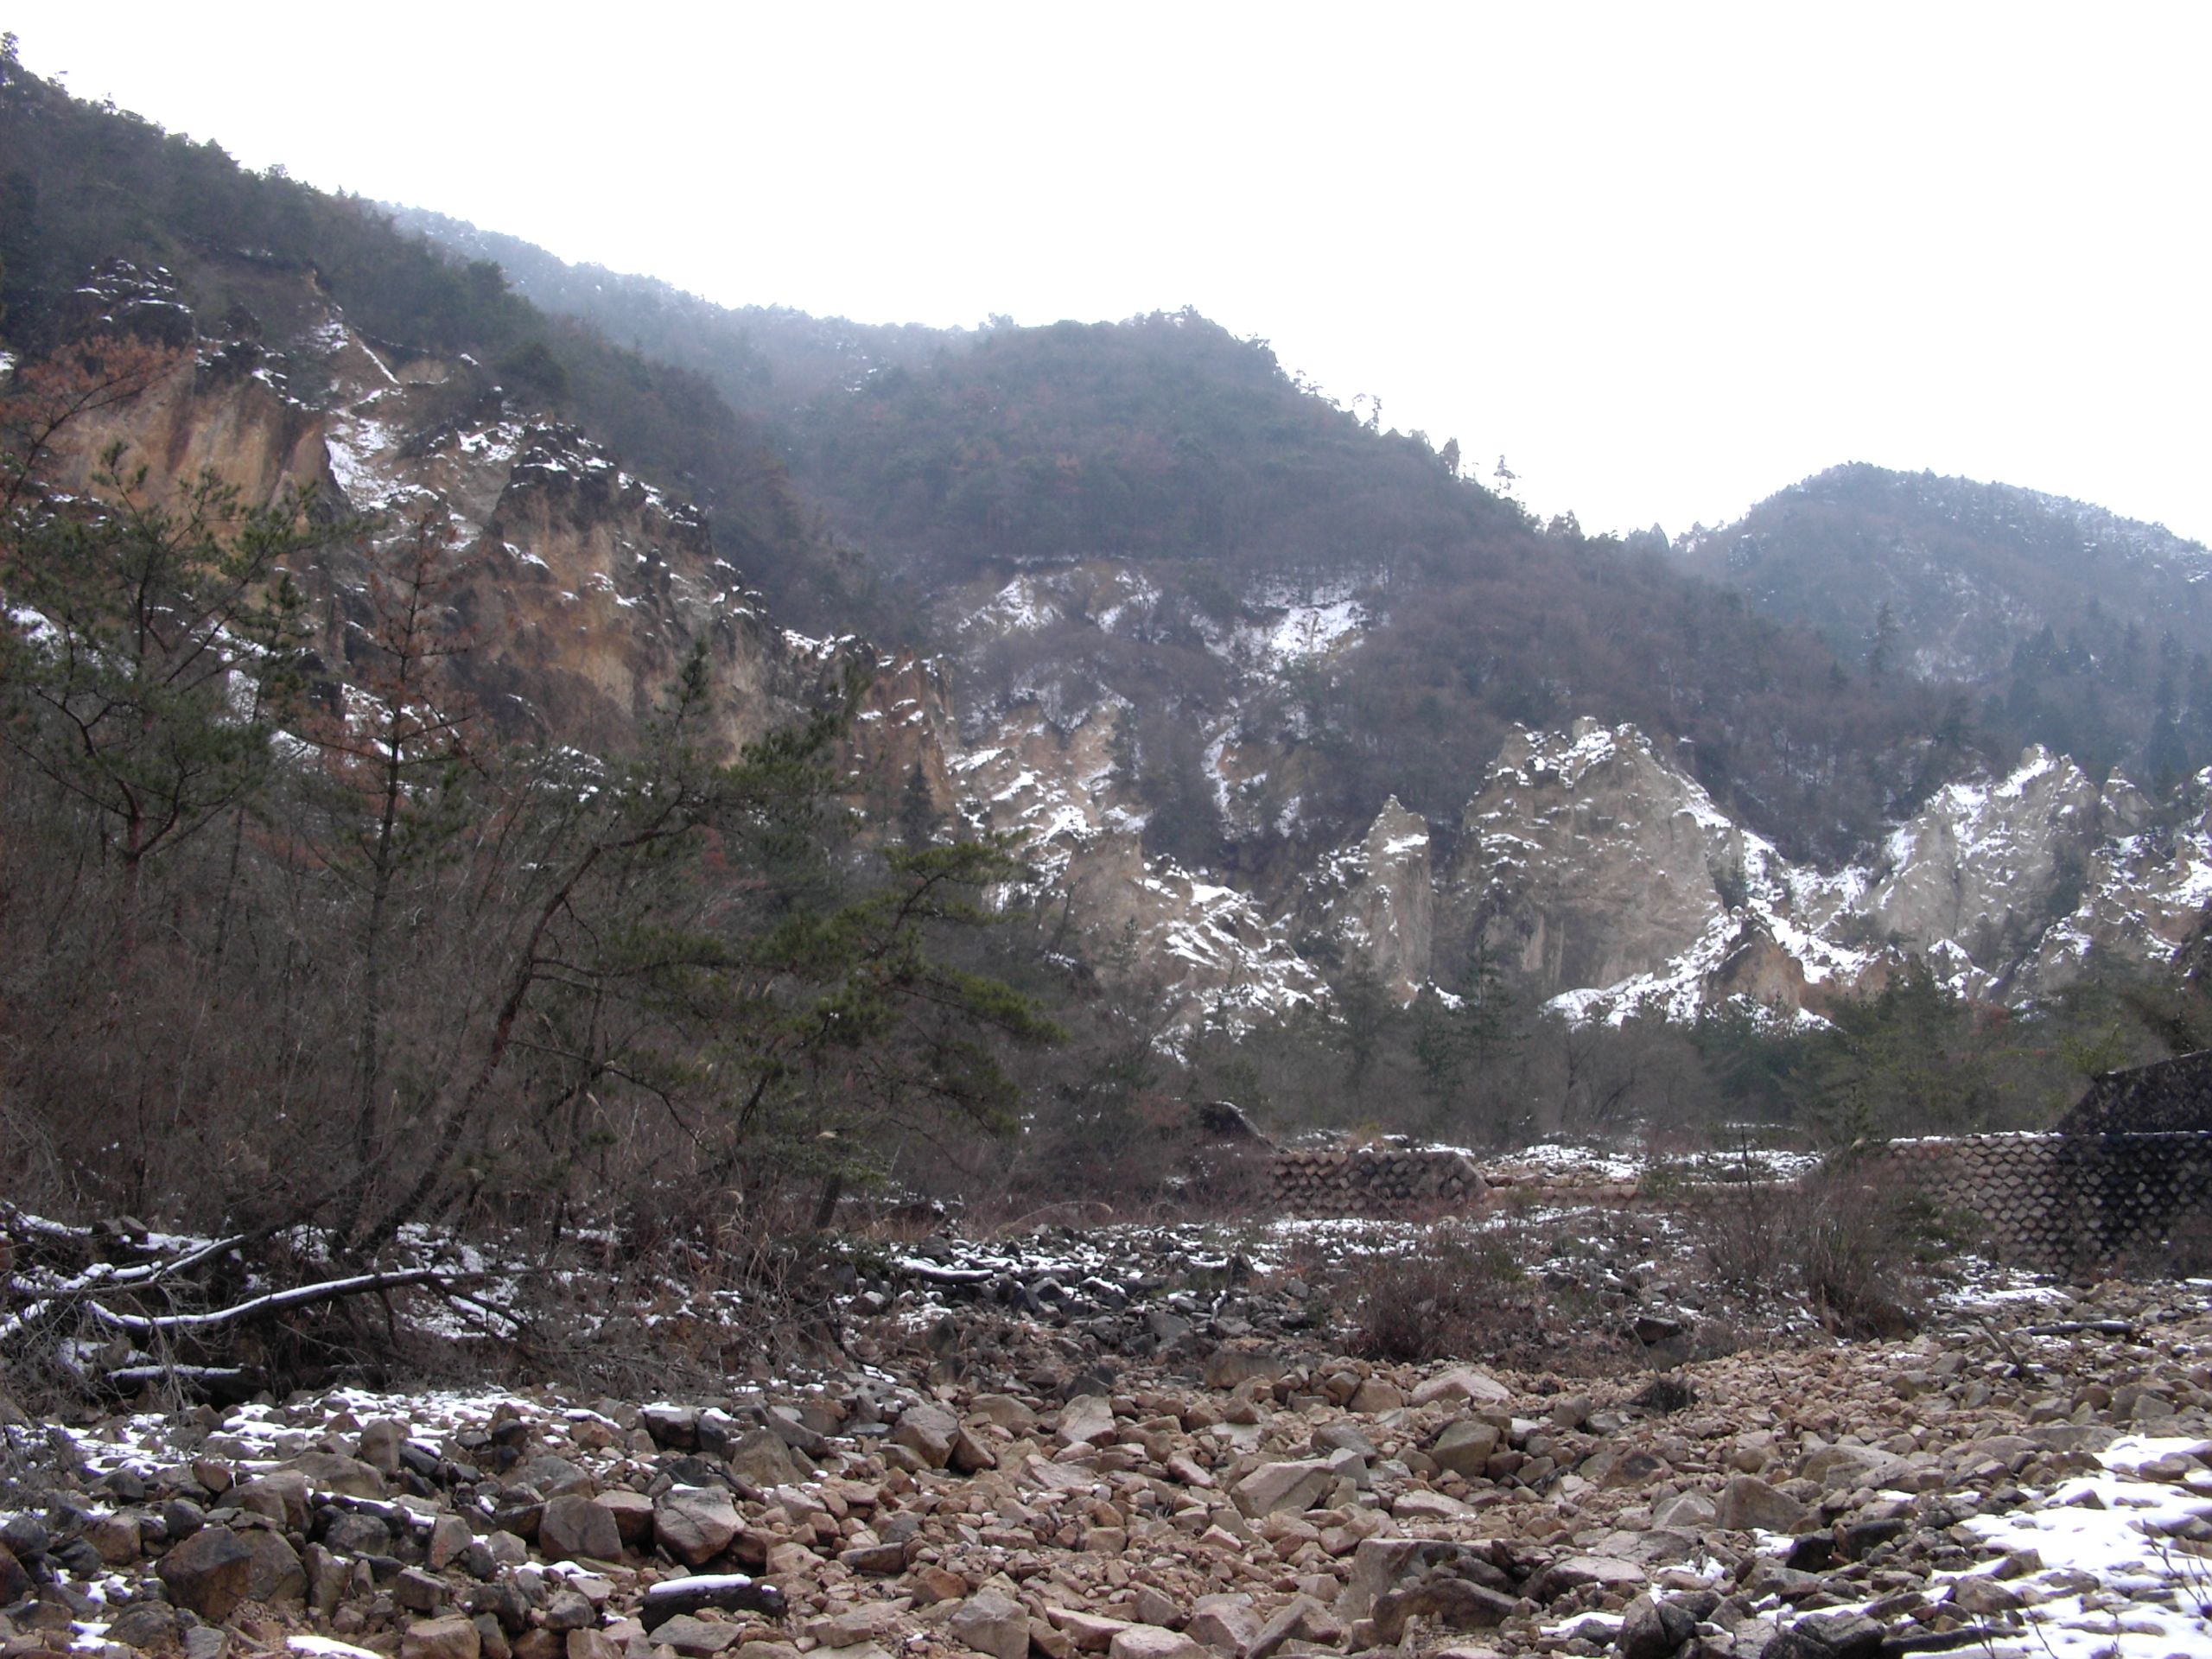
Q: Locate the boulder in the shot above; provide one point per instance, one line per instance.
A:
(577, 1527)
(760, 1459)
(632, 1513)
(453, 1636)
(1374, 1396)
(928, 1432)
(569, 1610)
(1225, 1368)
(1686, 1512)
(276, 1575)
(881, 1561)
(284, 1496)
(696, 1638)
(694, 1523)
(1654, 1630)
(1981, 1596)
(379, 1447)
(969, 1455)
(1848, 1636)
(1005, 1411)
(1153, 1642)
(1609, 1572)
(1274, 1487)
(551, 1477)
(1461, 1382)
(1846, 1468)
(330, 1471)
(1087, 1632)
(114, 1537)
(1455, 1602)
(419, 1592)
(1749, 1504)
(729, 1592)
(1465, 1446)
(676, 1427)
(1087, 1419)
(993, 1624)
(144, 1624)
(208, 1572)
(1226, 1622)
(1302, 1619)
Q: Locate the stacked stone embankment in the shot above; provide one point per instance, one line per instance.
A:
(1375, 1181)
(2069, 1202)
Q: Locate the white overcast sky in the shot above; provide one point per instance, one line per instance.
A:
(1665, 259)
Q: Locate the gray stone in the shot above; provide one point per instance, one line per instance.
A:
(569, 1610)
(1748, 1503)
(1087, 1419)
(278, 1574)
(760, 1459)
(1652, 1629)
(578, 1528)
(1004, 1410)
(1846, 1468)
(993, 1624)
(208, 1572)
(555, 1477)
(883, 1561)
(327, 1471)
(1685, 1512)
(358, 1534)
(451, 1637)
(1152, 1641)
(1224, 1622)
(1274, 1488)
(694, 1523)
(1981, 1596)
(1461, 1382)
(695, 1638)
(1225, 1368)
(449, 1535)
(1455, 1602)
(1465, 1446)
(144, 1624)
(381, 1438)
(928, 1432)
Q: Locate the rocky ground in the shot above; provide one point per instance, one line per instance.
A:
(1124, 1446)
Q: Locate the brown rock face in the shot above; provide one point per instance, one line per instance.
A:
(582, 591)
(1589, 860)
(450, 1637)
(576, 1527)
(209, 1573)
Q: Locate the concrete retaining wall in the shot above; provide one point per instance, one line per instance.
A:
(2069, 1202)
(1375, 1182)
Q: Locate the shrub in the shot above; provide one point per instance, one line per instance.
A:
(1454, 1300)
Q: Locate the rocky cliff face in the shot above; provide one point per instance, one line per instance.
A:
(1608, 877)
(1595, 868)
(581, 590)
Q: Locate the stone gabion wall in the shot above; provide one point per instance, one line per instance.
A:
(1371, 1181)
(2063, 1202)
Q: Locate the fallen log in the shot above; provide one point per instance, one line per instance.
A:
(276, 1301)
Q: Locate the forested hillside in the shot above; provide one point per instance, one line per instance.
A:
(2075, 627)
(947, 460)
(82, 183)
